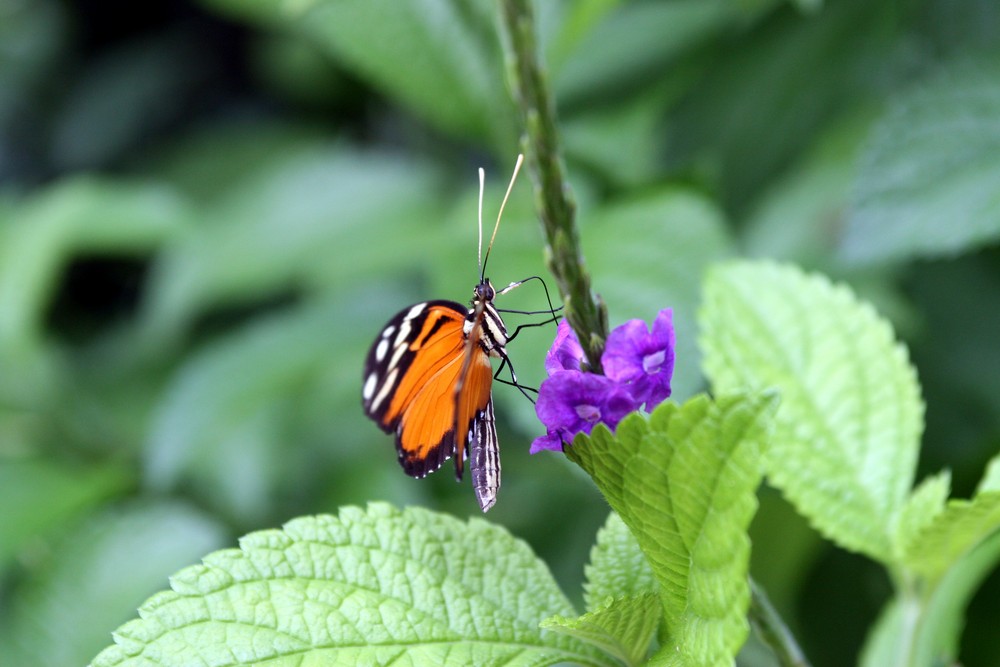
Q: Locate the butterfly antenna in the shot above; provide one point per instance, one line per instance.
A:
(482, 185)
(510, 186)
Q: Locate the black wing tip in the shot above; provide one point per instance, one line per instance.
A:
(421, 467)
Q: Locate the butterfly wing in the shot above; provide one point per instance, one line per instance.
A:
(411, 374)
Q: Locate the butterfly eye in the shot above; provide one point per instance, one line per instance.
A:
(484, 291)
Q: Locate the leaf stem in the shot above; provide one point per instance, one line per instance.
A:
(585, 311)
(772, 630)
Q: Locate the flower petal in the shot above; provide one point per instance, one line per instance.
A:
(626, 346)
(552, 442)
(572, 402)
(641, 361)
(638, 363)
(663, 330)
(566, 352)
(557, 399)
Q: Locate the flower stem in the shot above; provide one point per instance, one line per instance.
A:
(772, 630)
(585, 311)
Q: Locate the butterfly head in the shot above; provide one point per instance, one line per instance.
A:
(483, 316)
(484, 292)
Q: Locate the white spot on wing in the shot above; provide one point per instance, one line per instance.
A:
(387, 385)
(396, 355)
(388, 331)
(404, 333)
(383, 347)
(369, 388)
(404, 327)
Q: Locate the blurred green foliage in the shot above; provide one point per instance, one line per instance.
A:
(207, 210)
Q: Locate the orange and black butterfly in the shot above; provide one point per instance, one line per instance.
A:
(428, 379)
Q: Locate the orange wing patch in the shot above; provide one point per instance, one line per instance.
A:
(426, 436)
(438, 343)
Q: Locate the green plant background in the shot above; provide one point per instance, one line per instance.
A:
(208, 210)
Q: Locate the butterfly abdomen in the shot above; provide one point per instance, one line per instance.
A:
(484, 458)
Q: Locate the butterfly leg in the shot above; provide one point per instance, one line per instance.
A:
(548, 299)
(505, 362)
(529, 325)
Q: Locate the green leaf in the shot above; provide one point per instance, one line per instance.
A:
(208, 163)
(622, 627)
(276, 230)
(96, 575)
(617, 566)
(233, 441)
(991, 478)
(954, 532)
(33, 373)
(378, 586)
(116, 101)
(801, 211)
(618, 142)
(684, 483)
(927, 182)
(37, 496)
(789, 73)
(847, 434)
(79, 215)
(440, 58)
(671, 236)
(924, 504)
(656, 33)
(569, 24)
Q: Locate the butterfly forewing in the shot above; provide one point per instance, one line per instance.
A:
(395, 348)
(411, 374)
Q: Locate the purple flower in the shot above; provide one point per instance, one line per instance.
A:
(638, 364)
(571, 402)
(641, 361)
(565, 353)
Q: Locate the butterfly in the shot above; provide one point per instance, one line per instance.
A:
(428, 379)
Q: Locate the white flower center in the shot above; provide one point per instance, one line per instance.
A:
(588, 413)
(651, 362)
